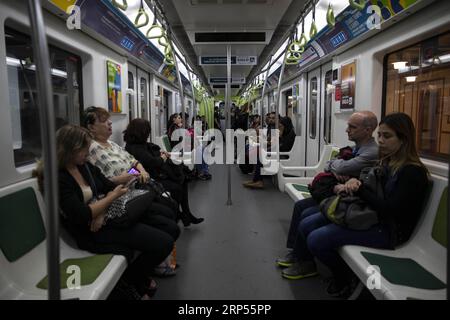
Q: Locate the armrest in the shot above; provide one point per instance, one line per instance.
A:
(314, 168)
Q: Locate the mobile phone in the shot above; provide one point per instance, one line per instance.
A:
(133, 170)
(130, 182)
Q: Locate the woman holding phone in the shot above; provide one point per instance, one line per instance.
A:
(153, 235)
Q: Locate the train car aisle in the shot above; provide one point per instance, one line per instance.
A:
(232, 254)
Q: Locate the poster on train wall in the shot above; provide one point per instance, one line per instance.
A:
(348, 76)
(114, 87)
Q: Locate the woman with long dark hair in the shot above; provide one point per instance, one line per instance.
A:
(405, 181)
(159, 165)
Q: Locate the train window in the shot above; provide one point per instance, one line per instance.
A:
(327, 104)
(418, 83)
(24, 103)
(313, 108)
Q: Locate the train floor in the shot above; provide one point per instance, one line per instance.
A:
(231, 255)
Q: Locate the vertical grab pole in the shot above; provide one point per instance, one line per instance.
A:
(261, 119)
(194, 100)
(180, 85)
(47, 123)
(228, 106)
(448, 229)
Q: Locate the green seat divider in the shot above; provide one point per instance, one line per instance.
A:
(439, 232)
(404, 272)
(306, 195)
(90, 268)
(165, 140)
(334, 154)
(301, 187)
(21, 224)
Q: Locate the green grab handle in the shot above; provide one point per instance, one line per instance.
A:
(330, 16)
(123, 6)
(155, 27)
(163, 41)
(357, 4)
(303, 40)
(140, 14)
(293, 47)
(313, 31)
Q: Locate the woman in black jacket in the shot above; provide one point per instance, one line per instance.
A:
(159, 165)
(79, 181)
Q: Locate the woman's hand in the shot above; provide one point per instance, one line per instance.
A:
(144, 177)
(119, 191)
(97, 223)
(339, 188)
(352, 185)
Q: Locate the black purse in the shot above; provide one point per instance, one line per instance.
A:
(161, 194)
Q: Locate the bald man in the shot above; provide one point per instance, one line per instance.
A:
(360, 128)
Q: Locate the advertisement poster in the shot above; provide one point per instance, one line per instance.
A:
(348, 74)
(114, 87)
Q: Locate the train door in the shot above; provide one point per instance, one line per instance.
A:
(132, 93)
(313, 117)
(166, 100)
(325, 105)
(143, 94)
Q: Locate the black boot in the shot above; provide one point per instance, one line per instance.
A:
(194, 220)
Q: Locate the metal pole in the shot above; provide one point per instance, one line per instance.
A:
(180, 85)
(448, 229)
(47, 123)
(263, 94)
(228, 106)
(194, 102)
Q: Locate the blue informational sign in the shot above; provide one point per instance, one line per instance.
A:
(106, 20)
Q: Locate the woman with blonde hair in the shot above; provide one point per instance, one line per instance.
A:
(79, 183)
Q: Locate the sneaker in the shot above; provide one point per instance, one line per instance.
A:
(256, 185)
(247, 183)
(164, 272)
(300, 270)
(203, 177)
(287, 261)
(338, 288)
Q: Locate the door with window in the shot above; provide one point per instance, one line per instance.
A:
(325, 105)
(313, 117)
(143, 94)
(132, 96)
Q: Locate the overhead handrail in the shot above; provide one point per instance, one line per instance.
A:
(357, 4)
(47, 123)
(141, 13)
(123, 6)
(331, 21)
(313, 29)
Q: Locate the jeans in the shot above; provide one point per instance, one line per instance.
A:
(322, 239)
(302, 209)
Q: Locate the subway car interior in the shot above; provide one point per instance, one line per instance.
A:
(224, 150)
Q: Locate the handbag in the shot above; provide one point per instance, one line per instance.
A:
(161, 194)
(351, 211)
(127, 209)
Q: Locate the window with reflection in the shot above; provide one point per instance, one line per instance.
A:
(23, 93)
(131, 114)
(418, 83)
(144, 98)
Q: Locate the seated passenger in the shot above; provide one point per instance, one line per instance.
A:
(113, 160)
(154, 235)
(360, 128)
(405, 184)
(159, 165)
(286, 141)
